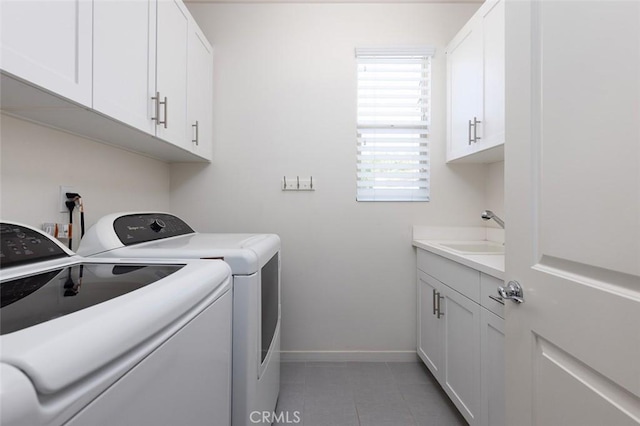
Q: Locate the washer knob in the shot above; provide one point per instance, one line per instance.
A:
(157, 225)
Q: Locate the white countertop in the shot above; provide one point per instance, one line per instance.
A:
(490, 264)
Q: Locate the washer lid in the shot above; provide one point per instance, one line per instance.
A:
(34, 299)
(245, 253)
(59, 352)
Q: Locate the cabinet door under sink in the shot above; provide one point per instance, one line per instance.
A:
(429, 326)
(461, 380)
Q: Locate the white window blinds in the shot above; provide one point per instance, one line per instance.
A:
(394, 93)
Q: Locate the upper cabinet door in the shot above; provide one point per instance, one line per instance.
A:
(200, 93)
(124, 48)
(171, 72)
(464, 68)
(493, 75)
(476, 88)
(48, 43)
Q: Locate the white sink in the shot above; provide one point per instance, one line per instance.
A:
(475, 247)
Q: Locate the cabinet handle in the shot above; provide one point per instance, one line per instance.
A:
(195, 126)
(470, 138)
(440, 313)
(497, 299)
(166, 112)
(434, 301)
(156, 98)
(158, 103)
(476, 138)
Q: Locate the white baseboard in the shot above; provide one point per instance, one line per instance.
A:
(348, 356)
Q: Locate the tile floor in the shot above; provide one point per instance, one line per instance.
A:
(364, 394)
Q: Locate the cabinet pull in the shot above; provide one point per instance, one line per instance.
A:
(476, 138)
(156, 100)
(470, 138)
(497, 299)
(166, 112)
(195, 126)
(434, 301)
(440, 313)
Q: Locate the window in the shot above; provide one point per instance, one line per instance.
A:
(394, 93)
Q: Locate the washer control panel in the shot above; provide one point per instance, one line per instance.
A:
(140, 228)
(21, 245)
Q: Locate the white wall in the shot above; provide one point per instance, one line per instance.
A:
(284, 104)
(36, 160)
(494, 191)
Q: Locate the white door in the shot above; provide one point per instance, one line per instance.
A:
(572, 161)
(200, 93)
(124, 34)
(171, 69)
(464, 63)
(48, 43)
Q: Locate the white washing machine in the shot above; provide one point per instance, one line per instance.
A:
(255, 263)
(92, 342)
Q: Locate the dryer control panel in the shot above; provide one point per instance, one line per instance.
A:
(20, 245)
(140, 228)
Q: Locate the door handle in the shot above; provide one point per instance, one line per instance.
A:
(513, 291)
(470, 138)
(497, 299)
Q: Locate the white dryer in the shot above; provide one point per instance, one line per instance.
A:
(103, 342)
(255, 263)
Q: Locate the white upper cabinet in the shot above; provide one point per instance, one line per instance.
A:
(464, 63)
(493, 75)
(48, 43)
(128, 62)
(200, 93)
(171, 72)
(476, 87)
(124, 75)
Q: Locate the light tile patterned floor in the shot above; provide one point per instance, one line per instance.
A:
(364, 394)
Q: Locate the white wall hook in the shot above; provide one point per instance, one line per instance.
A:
(297, 184)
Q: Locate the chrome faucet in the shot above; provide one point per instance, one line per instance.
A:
(488, 214)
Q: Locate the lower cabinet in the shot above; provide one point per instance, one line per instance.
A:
(492, 369)
(449, 343)
(460, 340)
(430, 327)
